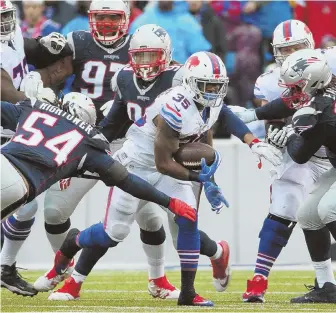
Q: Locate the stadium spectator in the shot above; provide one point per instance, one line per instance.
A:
(184, 29)
(79, 22)
(213, 27)
(34, 22)
(60, 11)
(135, 11)
(320, 17)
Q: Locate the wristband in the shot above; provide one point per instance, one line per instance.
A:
(254, 141)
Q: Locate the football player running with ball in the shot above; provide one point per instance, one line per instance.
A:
(179, 115)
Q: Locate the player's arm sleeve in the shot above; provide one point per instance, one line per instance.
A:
(275, 109)
(8, 91)
(234, 124)
(10, 114)
(302, 147)
(112, 173)
(39, 56)
(116, 123)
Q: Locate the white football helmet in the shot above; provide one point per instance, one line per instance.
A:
(80, 106)
(289, 33)
(205, 74)
(8, 20)
(150, 51)
(303, 73)
(108, 20)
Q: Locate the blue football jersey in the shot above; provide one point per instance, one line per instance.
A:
(94, 66)
(50, 144)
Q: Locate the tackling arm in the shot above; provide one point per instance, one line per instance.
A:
(273, 110)
(8, 91)
(165, 146)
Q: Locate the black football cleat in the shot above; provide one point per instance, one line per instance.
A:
(326, 294)
(12, 280)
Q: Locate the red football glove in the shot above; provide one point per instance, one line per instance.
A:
(64, 183)
(180, 208)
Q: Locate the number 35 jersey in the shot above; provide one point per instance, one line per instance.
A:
(51, 144)
(94, 66)
(177, 108)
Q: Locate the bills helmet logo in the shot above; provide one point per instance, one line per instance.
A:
(302, 64)
(193, 62)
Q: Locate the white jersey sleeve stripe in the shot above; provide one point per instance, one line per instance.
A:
(172, 117)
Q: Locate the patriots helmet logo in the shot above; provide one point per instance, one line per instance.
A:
(161, 33)
(302, 64)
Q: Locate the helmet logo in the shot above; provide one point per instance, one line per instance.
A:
(161, 33)
(3, 4)
(301, 65)
(193, 62)
(307, 30)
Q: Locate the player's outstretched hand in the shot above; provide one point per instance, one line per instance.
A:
(54, 42)
(207, 172)
(277, 137)
(31, 84)
(264, 150)
(106, 107)
(215, 197)
(246, 115)
(180, 208)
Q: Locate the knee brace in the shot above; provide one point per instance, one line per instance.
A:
(154, 238)
(55, 216)
(57, 228)
(277, 230)
(95, 236)
(27, 212)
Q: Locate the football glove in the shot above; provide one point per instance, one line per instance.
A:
(207, 172)
(215, 197)
(31, 84)
(54, 42)
(266, 151)
(106, 107)
(180, 208)
(246, 115)
(277, 137)
(47, 95)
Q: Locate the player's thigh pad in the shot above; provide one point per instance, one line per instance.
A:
(27, 212)
(308, 214)
(327, 205)
(13, 188)
(178, 189)
(149, 217)
(60, 204)
(120, 214)
(289, 192)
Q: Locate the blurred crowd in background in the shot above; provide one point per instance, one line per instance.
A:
(240, 32)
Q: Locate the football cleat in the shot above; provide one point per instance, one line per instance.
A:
(256, 289)
(69, 291)
(12, 280)
(221, 269)
(51, 279)
(197, 301)
(326, 294)
(162, 288)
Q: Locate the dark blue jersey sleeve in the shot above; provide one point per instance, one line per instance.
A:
(116, 123)
(275, 109)
(234, 124)
(10, 114)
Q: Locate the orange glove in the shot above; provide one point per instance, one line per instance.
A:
(180, 208)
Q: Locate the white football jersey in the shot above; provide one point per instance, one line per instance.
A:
(267, 88)
(13, 59)
(177, 108)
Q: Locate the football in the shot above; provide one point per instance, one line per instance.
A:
(190, 155)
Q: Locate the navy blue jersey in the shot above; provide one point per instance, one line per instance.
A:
(94, 66)
(51, 144)
(133, 97)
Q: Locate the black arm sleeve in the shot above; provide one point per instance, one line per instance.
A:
(39, 56)
(117, 122)
(234, 124)
(302, 148)
(10, 114)
(275, 109)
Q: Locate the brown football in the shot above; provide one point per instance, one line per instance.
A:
(190, 155)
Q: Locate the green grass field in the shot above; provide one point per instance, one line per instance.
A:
(126, 292)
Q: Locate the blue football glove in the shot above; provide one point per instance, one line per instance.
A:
(207, 172)
(215, 197)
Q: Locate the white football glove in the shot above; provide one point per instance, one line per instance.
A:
(106, 107)
(277, 137)
(31, 84)
(266, 151)
(54, 42)
(246, 115)
(47, 95)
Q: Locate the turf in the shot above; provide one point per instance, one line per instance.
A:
(126, 292)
